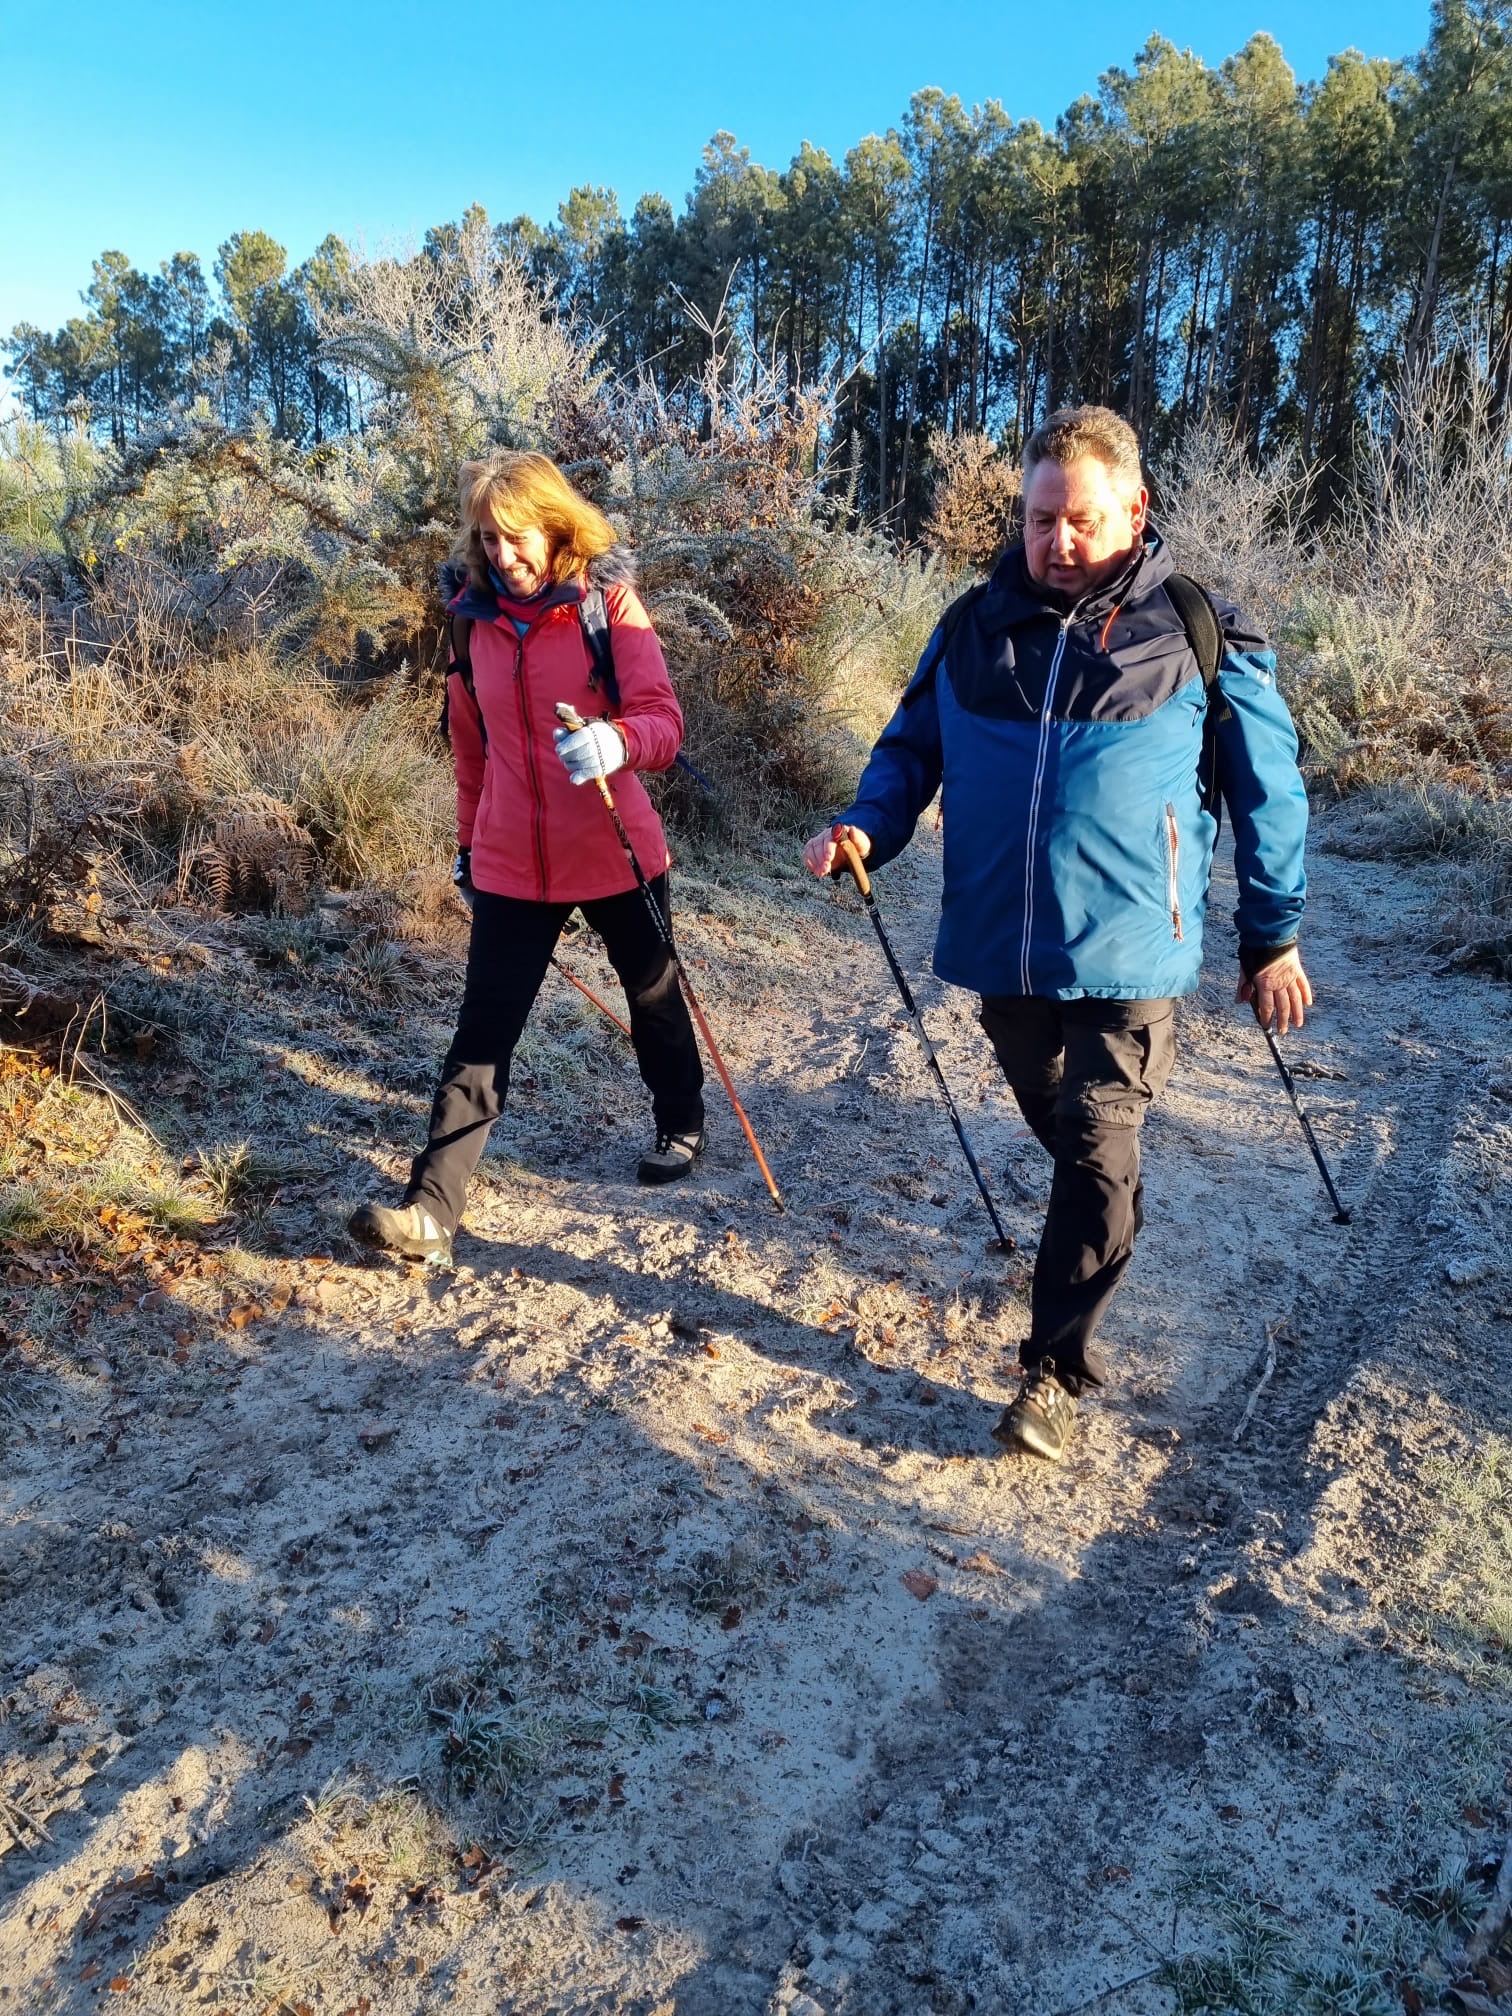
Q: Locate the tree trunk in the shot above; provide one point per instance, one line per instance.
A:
(918, 342)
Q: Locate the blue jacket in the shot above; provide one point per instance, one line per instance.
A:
(1068, 743)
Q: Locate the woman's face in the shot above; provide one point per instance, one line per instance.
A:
(522, 560)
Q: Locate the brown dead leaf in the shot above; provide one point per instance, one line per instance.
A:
(709, 1434)
(711, 1350)
(617, 1789)
(94, 1968)
(266, 1631)
(918, 1583)
(119, 1984)
(122, 1898)
(731, 1617)
(982, 1563)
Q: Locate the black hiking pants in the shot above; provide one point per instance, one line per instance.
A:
(511, 948)
(1084, 1074)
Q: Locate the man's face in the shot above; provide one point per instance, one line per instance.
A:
(1080, 525)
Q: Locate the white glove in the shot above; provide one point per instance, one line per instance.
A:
(592, 751)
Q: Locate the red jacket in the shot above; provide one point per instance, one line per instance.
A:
(533, 833)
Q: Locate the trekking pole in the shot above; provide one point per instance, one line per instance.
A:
(1341, 1213)
(852, 860)
(569, 717)
(602, 1006)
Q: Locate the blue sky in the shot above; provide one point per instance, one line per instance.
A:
(163, 126)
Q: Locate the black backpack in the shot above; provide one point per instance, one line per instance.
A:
(1204, 632)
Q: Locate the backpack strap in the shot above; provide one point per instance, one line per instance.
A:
(598, 635)
(1200, 620)
(1204, 632)
(460, 631)
(948, 625)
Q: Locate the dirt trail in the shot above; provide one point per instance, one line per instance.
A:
(639, 1619)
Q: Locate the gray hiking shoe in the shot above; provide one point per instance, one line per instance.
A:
(410, 1231)
(1040, 1418)
(672, 1157)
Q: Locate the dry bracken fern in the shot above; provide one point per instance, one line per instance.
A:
(259, 858)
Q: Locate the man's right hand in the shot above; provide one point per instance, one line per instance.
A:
(823, 851)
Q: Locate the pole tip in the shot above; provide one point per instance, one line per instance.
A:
(1343, 1218)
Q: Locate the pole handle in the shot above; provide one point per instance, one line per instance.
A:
(851, 860)
(569, 717)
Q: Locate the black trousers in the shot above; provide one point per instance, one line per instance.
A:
(511, 948)
(1084, 1074)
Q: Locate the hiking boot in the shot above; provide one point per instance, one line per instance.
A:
(672, 1157)
(410, 1231)
(1040, 1418)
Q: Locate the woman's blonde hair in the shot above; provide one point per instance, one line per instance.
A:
(520, 491)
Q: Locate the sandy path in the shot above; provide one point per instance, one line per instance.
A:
(535, 1637)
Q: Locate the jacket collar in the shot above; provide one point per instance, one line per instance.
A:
(483, 605)
(1013, 598)
(613, 569)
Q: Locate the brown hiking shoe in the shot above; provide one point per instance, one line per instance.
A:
(1040, 1418)
(410, 1231)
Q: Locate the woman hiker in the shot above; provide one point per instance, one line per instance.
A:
(533, 845)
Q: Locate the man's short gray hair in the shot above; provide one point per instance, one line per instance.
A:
(1087, 430)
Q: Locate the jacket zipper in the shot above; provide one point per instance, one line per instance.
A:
(538, 816)
(1034, 796)
(1172, 844)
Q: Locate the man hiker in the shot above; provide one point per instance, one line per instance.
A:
(1082, 712)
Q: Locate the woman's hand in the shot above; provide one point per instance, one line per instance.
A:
(594, 751)
(821, 853)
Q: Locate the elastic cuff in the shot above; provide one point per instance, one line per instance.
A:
(1253, 957)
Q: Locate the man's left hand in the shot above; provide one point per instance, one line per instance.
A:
(1280, 992)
